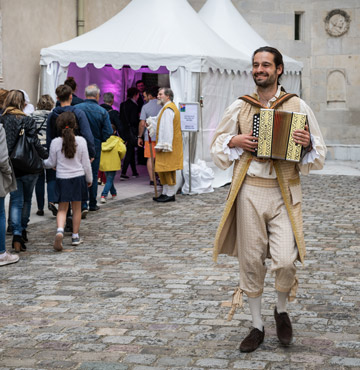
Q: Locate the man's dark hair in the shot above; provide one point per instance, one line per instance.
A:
(278, 58)
(138, 82)
(153, 91)
(132, 92)
(63, 92)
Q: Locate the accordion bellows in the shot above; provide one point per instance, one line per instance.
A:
(275, 132)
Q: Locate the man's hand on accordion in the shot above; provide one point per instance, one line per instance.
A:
(302, 137)
(244, 141)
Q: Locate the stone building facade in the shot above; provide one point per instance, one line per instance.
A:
(324, 35)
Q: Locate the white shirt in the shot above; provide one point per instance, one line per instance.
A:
(223, 156)
(70, 167)
(166, 129)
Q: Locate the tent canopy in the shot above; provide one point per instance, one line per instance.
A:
(175, 37)
(223, 18)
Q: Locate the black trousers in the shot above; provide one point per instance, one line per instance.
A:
(129, 159)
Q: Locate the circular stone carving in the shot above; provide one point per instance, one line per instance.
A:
(337, 23)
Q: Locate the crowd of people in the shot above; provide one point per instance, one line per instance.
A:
(74, 145)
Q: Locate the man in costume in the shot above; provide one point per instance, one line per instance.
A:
(262, 216)
(169, 146)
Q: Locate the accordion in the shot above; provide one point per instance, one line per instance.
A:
(274, 130)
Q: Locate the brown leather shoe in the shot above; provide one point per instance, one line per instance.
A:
(283, 327)
(252, 341)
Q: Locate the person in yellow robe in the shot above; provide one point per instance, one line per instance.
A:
(169, 146)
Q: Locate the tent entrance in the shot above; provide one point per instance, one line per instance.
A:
(116, 81)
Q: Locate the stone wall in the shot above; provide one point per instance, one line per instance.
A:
(28, 26)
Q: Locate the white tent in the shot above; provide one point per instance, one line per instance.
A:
(174, 37)
(223, 18)
(200, 63)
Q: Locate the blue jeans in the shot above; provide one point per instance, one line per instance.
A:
(20, 200)
(109, 186)
(94, 187)
(2, 225)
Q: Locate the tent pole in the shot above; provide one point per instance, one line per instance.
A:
(189, 163)
(201, 101)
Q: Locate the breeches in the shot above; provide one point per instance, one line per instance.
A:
(264, 230)
(167, 178)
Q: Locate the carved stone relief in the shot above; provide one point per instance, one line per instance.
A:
(337, 23)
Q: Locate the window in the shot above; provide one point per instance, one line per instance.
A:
(298, 25)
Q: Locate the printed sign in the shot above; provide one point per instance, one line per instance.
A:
(189, 116)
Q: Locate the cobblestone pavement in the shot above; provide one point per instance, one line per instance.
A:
(142, 291)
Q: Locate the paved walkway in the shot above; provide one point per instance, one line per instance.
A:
(142, 291)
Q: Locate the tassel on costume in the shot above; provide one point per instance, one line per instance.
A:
(293, 290)
(237, 301)
(271, 166)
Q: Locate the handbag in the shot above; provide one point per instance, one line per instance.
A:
(24, 156)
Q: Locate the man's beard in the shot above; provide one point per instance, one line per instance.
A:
(269, 81)
(160, 102)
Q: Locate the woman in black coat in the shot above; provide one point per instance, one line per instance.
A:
(13, 119)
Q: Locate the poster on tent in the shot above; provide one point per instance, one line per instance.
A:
(189, 116)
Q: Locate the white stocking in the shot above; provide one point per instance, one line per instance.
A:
(255, 309)
(165, 190)
(281, 303)
(171, 190)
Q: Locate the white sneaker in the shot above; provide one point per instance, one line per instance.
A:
(102, 200)
(8, 259)
(113, 196)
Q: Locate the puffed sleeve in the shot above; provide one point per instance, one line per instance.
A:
(222, 155)
(315, 159)
(166, 131)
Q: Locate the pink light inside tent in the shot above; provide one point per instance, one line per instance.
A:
(109, 79)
